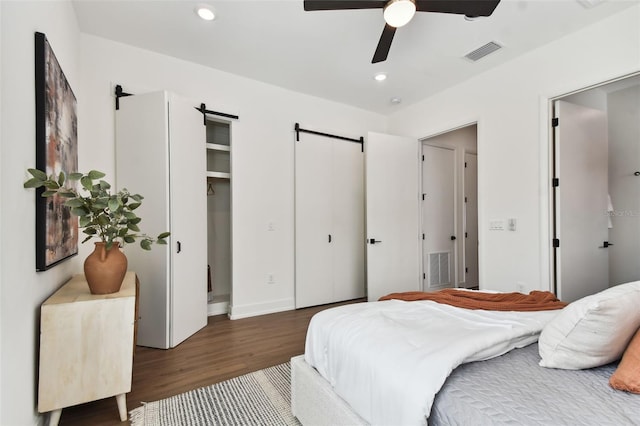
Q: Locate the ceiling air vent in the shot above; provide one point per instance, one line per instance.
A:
(483, 51)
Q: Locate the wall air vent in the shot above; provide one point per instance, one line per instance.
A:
(439, 267)
(483, 51)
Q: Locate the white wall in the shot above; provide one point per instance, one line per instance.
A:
(262, 152)
(510, 104)
(22, 289)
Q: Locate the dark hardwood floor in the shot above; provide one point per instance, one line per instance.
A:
(220, 351)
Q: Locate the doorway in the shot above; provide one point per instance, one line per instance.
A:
(596, 188)
(219, 215)
(449, 212)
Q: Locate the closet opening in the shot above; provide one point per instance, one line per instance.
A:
(218, 186)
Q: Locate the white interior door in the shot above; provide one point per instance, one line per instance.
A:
(142, 123)
(438, 217)
(392, 176)
(313, 207)
(470, 223)
(348, 221)
(581, 201)
(623, 110)
(187, 176)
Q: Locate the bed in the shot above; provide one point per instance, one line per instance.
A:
(377, 363)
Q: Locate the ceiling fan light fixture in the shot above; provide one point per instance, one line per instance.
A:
(205, 13)
(399, 12)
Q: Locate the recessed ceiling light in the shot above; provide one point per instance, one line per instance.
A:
(380, 76)
(395, 101)
(205, 13)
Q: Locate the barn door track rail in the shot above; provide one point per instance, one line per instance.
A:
(299, 130)
(202, 108)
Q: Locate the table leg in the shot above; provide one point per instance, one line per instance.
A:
(122, 406)
(54, 417)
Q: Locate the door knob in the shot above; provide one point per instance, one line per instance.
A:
(606, 244)
(453, 238)
(374, 241)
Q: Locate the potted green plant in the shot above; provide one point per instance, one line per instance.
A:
(108, 216)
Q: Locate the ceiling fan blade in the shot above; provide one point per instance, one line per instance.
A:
(462, 7)
(310, 5)
(384, 44)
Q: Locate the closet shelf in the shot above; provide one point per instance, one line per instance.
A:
(220, 175)
(218, 147)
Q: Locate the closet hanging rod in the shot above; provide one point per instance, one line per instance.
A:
(202, 108)
(299, 130)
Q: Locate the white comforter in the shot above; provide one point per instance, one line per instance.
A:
(388, 359)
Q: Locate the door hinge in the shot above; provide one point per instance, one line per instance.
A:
(466, 235)
(555, 182)
(465, 199)
(465, 164)
(555, 122)
(424, 276)
(423, 158)
(466, 270)
(423, 236)
(423, 195)
(556, 243)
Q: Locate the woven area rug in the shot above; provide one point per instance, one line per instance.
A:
(259, 398)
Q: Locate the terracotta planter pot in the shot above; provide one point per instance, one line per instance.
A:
(105, 269)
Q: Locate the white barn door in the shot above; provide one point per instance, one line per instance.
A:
(392, 175)
(160, 153)
(314, 214)
(187, 175)
(329, 221)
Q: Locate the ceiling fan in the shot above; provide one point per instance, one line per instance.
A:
(399, 12)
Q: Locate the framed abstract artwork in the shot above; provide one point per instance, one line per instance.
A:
(56, 152)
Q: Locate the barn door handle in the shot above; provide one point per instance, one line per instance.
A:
(606, 244)
(374, 241)
(179, 247)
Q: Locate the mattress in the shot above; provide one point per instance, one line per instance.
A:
(514, 390)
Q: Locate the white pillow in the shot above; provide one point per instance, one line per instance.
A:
(592, 331)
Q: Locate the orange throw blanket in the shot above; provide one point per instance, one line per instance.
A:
(534, 301)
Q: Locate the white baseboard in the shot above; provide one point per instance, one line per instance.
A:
(245, 311)
(219, 308)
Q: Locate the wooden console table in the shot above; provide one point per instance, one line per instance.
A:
(86, 346)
